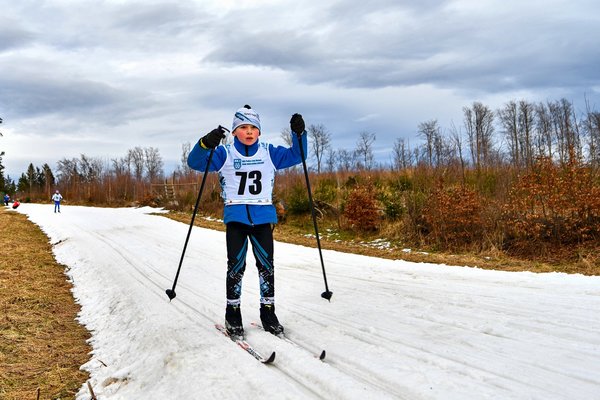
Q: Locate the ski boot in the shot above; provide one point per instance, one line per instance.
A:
(233, 321)
(269, 320)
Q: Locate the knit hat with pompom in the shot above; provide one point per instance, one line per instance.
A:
(245, 116)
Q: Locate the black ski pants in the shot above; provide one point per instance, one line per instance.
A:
(261, 237)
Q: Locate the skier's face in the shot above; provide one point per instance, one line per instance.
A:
(247, 134)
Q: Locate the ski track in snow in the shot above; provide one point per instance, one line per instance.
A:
(393, 330)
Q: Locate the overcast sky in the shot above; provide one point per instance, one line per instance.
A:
(100, 77)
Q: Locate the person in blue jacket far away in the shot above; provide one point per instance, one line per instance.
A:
(246, 170)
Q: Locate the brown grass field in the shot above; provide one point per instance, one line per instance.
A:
(42, 346)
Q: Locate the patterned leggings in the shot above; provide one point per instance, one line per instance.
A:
(261, 237)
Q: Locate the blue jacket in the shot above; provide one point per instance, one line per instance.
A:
(282, 157)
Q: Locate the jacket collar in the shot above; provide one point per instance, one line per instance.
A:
(245, 150)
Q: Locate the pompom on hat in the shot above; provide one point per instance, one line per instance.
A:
(245, 116)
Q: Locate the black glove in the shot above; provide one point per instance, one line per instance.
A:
(213, 138)
(297, 124)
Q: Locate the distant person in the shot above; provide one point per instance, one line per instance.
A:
(16, 204)
(246, 169)
(6, 199)
(57, 197)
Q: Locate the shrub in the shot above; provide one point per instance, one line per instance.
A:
(361, 208)
(393, 205)
(326, 191)
(413, 219)
(298, 200)
(453, 216)
(351, 182)
(554, 204)
(402, 183)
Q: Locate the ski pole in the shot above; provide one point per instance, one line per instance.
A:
(171, 292)
(327, 293)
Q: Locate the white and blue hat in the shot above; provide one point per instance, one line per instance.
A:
(245, 116)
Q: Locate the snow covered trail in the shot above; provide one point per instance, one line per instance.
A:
(393, 330)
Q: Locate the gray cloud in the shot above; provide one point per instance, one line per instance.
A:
(158, 18)
(117, 74)
(12, 35)
(32, 92)
(384, 43)
(30, 97)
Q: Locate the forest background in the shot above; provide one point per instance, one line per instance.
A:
(520, 182)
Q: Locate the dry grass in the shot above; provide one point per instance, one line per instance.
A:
(41, 344)
(301, 231)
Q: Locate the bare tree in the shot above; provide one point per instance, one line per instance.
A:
(345, 160)
(364, 149)
(184, 168)
(154, 163)
(331, 160)
(565, 127)
(121, 166)
(479, 125)
(90, 168)
(122, 173)
(136, 158)
(457, 141)
(68, 174)
(526, 129)
(286, 136)
(320, 140)
(544, 131)
(591, 125)
(288, 139)
(443, 152)
(401, 154)
(518, 123)
(430, 131)
(508, 116)
(90, 171)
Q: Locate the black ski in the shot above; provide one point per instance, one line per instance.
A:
(282, 336)
(246, 346)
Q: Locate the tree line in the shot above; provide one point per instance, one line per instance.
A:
(513, 136)
(93, 180)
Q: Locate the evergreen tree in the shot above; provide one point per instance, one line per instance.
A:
(23, 184)
(31, 178)
(9, 186)
(48, 179)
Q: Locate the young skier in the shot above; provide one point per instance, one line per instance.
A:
(57, 197)
(247, 174)
(6, 199)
